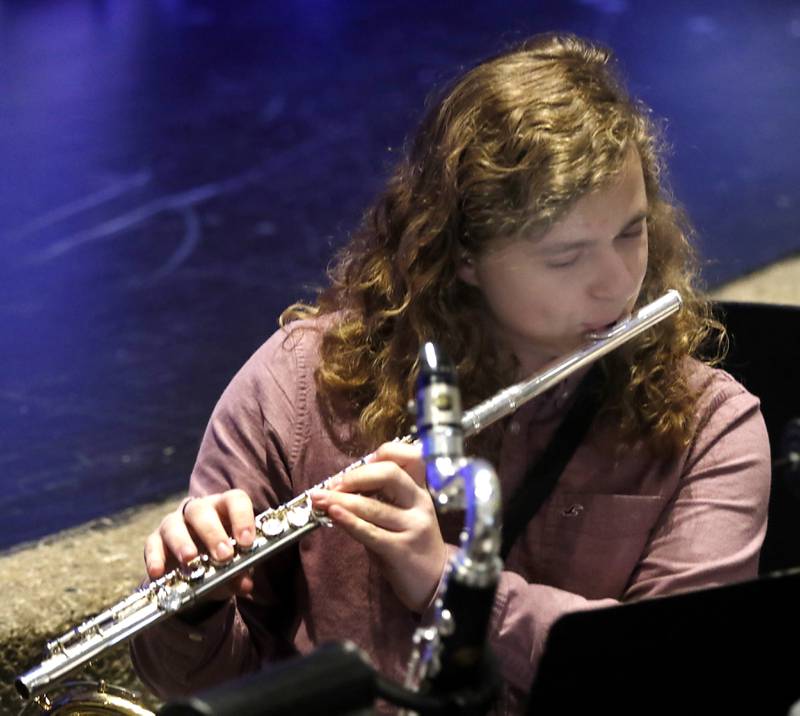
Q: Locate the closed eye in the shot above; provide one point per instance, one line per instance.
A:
(565, 261)
(634, 232)
(631, 234)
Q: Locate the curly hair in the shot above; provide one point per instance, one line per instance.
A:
(507, 151)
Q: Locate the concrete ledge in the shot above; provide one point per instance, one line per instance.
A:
(56, 583)
(777, 283)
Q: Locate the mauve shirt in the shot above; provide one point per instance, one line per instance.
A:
(619, 525)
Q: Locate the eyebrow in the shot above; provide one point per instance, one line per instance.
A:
(580, 243)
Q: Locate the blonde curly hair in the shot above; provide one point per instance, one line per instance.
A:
(507, 150)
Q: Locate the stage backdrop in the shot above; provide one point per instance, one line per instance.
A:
(174, 173)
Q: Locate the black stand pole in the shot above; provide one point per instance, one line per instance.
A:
(334, 680)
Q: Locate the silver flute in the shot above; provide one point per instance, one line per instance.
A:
(282, 526)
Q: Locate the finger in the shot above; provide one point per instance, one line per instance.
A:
(204, 519)
(399, 452)
(382, 515)
(177, 539)
(384, 478)
(241, 586)
(360, 530)
(245, 584)
(407, 456)
(241, 517)
(155, 560)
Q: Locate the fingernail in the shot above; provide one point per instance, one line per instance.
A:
(224, 550)
(187, 555)
(246, 536)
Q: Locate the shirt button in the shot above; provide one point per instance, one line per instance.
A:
(513, 427)
(572, 510)
(195, 636)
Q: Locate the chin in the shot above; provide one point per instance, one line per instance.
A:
(566, 347)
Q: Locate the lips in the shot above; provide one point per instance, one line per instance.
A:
(601, 325)
(597, 328)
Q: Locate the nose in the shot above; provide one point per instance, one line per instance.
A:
(615, 277)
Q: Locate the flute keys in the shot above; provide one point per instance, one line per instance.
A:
(300, 515)
(195, 569)
(168, 600)
(273, 524)
(247, 550)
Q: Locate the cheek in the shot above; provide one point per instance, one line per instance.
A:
(526, 302)
(635, 259)
(528, 298)
(640, 270)
(643, 256)
(507, 287)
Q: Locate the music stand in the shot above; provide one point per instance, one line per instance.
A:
(724, 650)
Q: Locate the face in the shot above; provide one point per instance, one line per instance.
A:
(544, 294)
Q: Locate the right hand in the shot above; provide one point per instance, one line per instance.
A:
(205, 524)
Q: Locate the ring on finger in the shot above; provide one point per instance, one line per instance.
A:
(184, 504)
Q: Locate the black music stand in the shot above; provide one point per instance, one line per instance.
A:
(726, 650)
(765, 356)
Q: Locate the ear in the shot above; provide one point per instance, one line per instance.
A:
(467, 271)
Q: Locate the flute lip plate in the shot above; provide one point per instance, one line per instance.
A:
(610, 330)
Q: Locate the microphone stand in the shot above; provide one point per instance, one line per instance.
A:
(451, 662)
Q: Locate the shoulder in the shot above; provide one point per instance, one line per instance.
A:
(715, 387)
(274, 393)
(275, 382)
(293, 343)
(726, 413)
(290, 354)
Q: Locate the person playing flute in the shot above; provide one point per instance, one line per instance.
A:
(530, 210)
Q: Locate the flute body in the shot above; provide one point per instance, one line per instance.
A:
(280, 527)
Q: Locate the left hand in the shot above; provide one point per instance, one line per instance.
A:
(386, 506)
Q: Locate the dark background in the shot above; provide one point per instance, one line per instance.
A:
(173, 173)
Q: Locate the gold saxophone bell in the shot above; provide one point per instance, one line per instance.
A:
(86, 698)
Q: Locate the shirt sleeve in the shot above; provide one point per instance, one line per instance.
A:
(710, 533)
(250, 442)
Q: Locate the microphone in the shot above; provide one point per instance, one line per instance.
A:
(457, 666)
